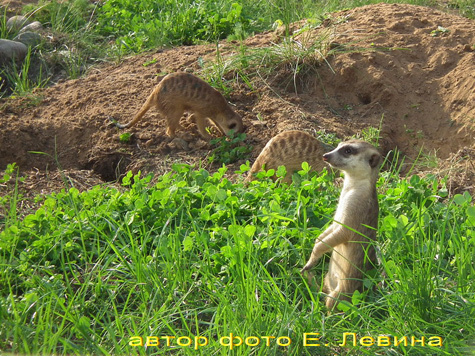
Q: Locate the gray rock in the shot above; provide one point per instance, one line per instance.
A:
(32, 27)
(15, 23)
(31, 39)
(10, 50)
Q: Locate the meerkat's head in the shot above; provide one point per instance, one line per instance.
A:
(356, 158)
(230, 121)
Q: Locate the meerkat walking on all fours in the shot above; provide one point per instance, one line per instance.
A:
(355, 222)
(183, 92)
(289, 149)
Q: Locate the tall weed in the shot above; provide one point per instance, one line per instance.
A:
(22, 80)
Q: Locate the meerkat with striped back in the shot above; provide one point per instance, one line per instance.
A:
(289, 149)
(182, 92)
(350, 235)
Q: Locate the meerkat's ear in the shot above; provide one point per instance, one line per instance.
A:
(374, 160)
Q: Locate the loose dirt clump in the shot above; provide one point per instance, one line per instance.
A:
(409, 69)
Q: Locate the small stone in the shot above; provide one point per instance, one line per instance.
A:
(15, 23)
(32, 27)
(30, 39)
(10, 50)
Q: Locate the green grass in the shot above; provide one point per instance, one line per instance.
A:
(195, 255)
(299, 58)
(20, 79)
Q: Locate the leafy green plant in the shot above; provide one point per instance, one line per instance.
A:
(125, 137)
(328, 138)
(146, 24)
(108, 271)
(464, 7)
(223, 25)
(230, 148)
(440, 31)
(8, 173)
(8, 202)
(370, 134)
(152, 61)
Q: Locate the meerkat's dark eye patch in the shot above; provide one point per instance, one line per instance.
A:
(232, 126)
(348, 150)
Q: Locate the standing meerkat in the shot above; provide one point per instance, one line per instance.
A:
(289, 149)
(355, 222)
(183, 92)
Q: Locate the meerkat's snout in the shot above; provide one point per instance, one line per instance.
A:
(330, 158)
(236, 126)
(229, 121)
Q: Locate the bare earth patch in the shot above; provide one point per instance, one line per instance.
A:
(411, 67)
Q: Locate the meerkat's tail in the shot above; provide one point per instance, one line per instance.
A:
(151, 100)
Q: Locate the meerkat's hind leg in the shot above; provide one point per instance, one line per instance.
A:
(173, 122)
(343, 291)
(333, 299)
(332, 289)
(172, 127)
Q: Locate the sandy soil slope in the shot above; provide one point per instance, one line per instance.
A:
(411, 67)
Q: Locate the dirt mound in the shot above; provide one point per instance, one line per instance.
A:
(420, 75)
(411, 67)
